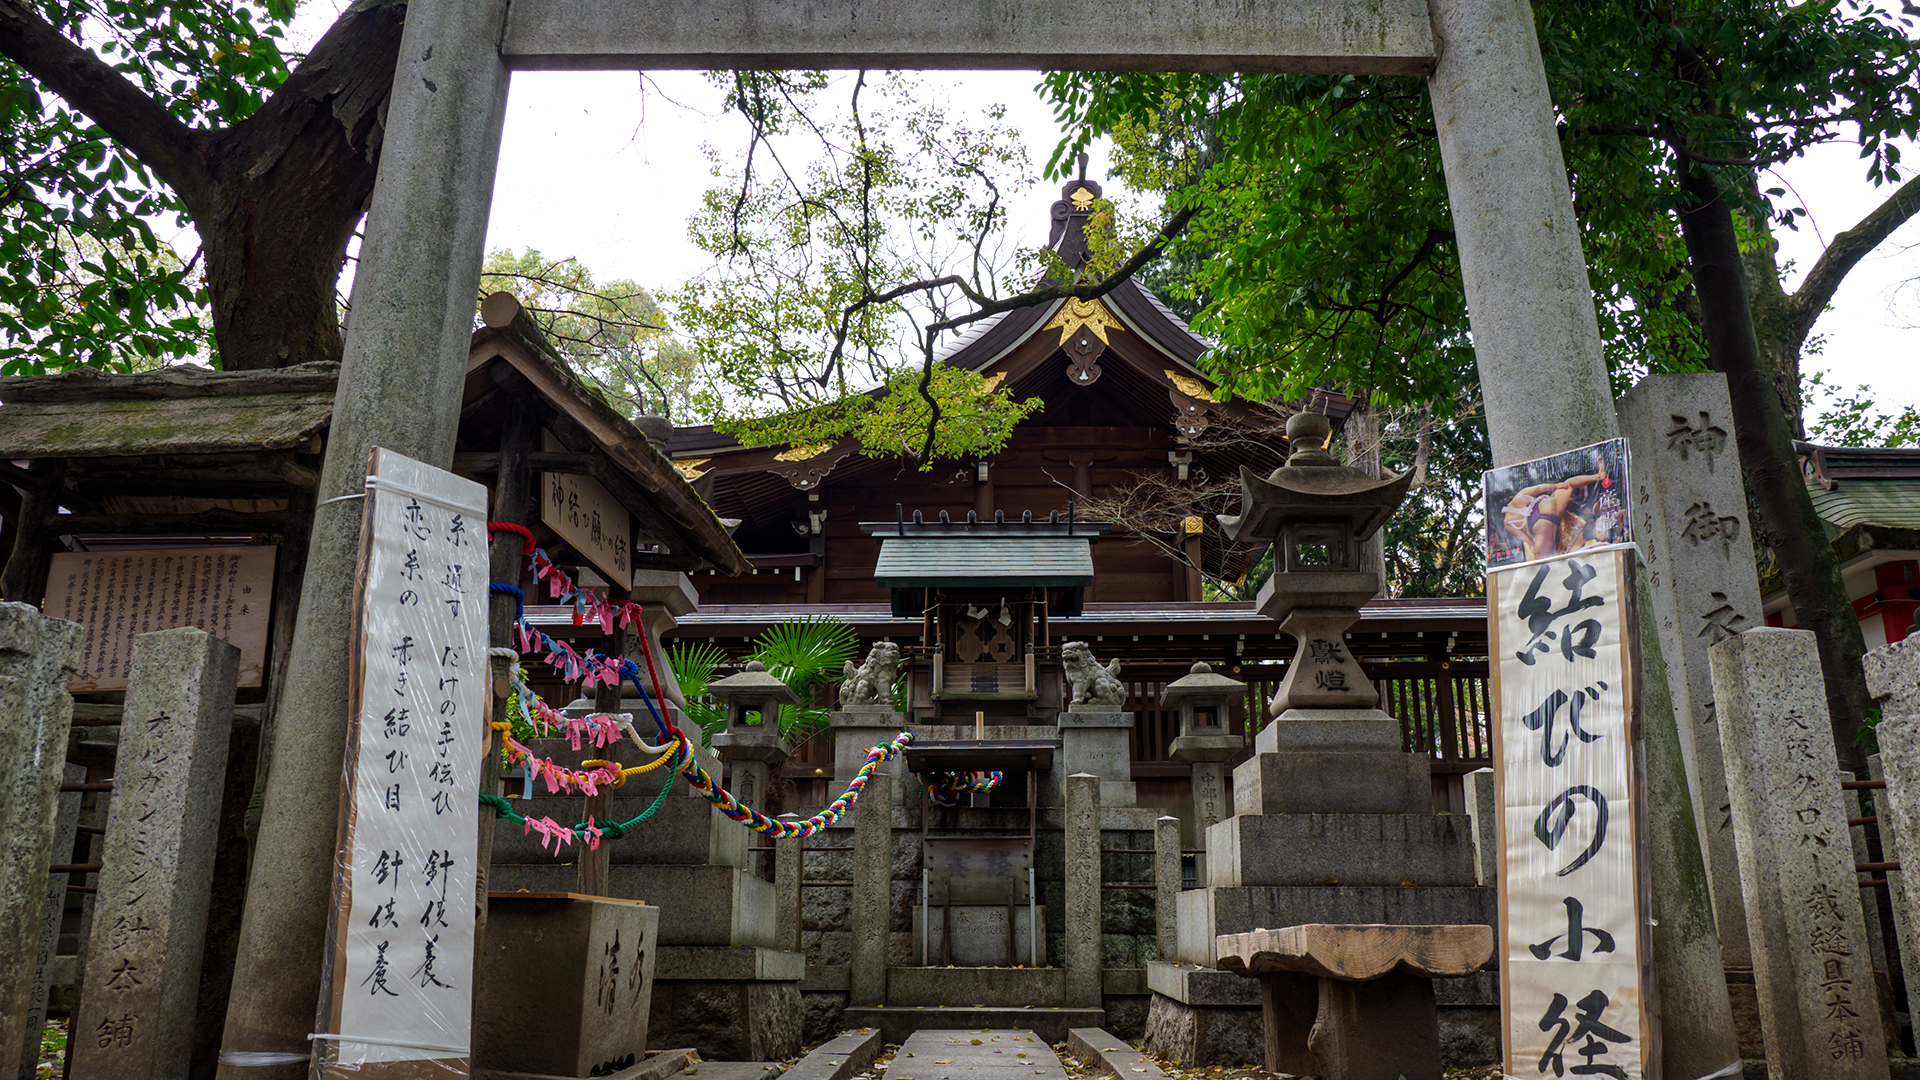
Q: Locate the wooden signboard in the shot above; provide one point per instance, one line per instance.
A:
(590, 519)
(1575, 956)
(225, 591)
(400, 976)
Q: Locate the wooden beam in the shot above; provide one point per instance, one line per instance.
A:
(289, 470)
(206, 521)
(21, 478)
(172, 382)
(25, 578)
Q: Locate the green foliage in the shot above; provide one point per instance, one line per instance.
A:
(1435, 544)
(612, 331)
(85, 280)
(1323, 251)
(1856, 419)
(890, 223)
(807, 654)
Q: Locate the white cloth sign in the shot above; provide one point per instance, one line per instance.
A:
(1573, 961)
(402, 983)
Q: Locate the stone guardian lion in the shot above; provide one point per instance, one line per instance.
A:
(1094, 688)
(872, 682)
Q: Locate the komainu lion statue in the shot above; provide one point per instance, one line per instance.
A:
(1095, 688)
(872, 682)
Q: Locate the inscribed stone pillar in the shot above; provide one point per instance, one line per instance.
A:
(1893, 678)
(66, 827)
(1083, 924)
(401, 378)
(150, 915)
(1689, 517)
(37, 654)
(872, 891)
(787, 870)
(1166, 886)
(1812, 972)
(1482, 809)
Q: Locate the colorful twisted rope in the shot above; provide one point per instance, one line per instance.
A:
(948, 789)
(698, 779)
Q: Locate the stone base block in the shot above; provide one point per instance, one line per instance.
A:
(977, 987)
(701, 905)
(708, 963)
(1206, 913)
(821, 1014)
(979, 936)
(1204, 1035)
(1191, 985)
(896, 1023)
(1126, 1016)
(577, 970)
(1344, 849)
(1364, 731)
(1333, 782)
(729, 1020)
(683, 832)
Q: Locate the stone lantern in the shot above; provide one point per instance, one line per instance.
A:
(751, 745)
(1316, 512)
(1204, 743)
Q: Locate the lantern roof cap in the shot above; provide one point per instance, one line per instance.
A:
(753, 681)
(1312, 487)
(1200, 682)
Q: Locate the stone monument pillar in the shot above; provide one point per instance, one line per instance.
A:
(37, 656)
(1813, 974)
(1893, 678)
(135, 1019)
(1689, 509)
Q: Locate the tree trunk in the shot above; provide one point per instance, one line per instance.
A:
(1796, 534)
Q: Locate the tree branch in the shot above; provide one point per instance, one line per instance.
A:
(149, 132)
(1847, 249)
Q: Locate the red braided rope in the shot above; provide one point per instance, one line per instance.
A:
(524, 533)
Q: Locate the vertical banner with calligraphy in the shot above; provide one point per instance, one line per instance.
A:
(1576, 951)
(401, 978)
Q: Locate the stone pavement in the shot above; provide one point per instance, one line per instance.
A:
(975, 1055)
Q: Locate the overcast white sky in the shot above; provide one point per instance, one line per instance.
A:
(607, 167)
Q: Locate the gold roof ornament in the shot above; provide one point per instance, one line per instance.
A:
(1082, 200)
(1189, 385)
(993, 382)
(1075, 314)
(691, 468)
(802, 453)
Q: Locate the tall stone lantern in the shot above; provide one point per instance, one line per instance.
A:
(1204, 744)
(751, 746)
(1316, 512)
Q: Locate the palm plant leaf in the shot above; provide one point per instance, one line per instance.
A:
(693, 664)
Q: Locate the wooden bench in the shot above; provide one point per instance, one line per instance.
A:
(1354, 1002)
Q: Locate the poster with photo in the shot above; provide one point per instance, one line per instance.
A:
(1556, 505)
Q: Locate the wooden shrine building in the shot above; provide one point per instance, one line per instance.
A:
(981, 568)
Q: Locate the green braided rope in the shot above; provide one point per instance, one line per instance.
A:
(612, 830)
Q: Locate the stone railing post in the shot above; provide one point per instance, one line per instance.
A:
(135, 1018)
(1166, 886)
(1812, 972)
(37, 655)
(872, 891)
(1893, 678)
(788, 867)
(1082, 959)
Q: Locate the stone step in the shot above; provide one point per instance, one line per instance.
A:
(1343, 849)
(1333, 782)
(897, 1024)
(976, 1055)
(974, 987)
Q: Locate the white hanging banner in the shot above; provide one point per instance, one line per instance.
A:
(401, 978)
(1575, 958)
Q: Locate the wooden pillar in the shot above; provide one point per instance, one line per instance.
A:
(1190, 547)
(513, 494)
(25, 578)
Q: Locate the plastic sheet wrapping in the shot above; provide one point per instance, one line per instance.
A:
(399, 981)
(1576, 950)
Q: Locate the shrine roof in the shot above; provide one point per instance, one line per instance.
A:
(1862, 485)
(985, 562)
(181, 410)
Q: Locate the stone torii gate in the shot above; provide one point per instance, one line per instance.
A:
(1536, 339)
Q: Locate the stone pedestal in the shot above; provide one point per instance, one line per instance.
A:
(1333, 823)
(751, 757)
(1207, 756)
(1097, 744)
(37, 655)
(578, 970)
(1812, 971)
(150, 914)
(858, 729)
